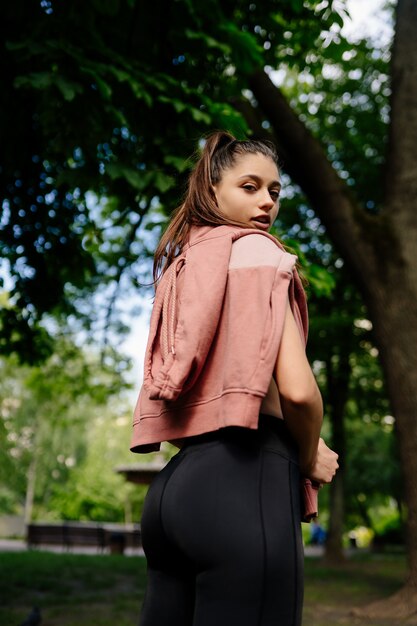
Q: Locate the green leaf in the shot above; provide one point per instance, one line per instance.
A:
(179, 163)
(104, 88)
(321, 282)
(163, 182)
(121, 75)
(209, 41)
(26, 44)
(178, 105)
(69, 89)
(137, 87)
(200, 116)
(247, 53)
(43, 80)
(137, 179)
(102, 85)
(37, 80)
(156, 81)
(140, 92)
(117, 114)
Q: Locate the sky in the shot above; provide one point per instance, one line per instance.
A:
(367, 19)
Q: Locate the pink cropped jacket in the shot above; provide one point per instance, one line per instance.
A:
(215, 331)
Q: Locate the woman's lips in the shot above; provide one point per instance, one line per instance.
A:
(261, 223)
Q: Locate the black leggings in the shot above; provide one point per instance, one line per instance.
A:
(221, 532)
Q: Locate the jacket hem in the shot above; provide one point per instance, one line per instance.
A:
(230, 409)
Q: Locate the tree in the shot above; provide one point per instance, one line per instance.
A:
(92, 489)
(47, 415)
(378, 248)
(356, 404)
(147, 89)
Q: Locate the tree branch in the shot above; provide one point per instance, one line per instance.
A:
(117, 280)
(351, 229)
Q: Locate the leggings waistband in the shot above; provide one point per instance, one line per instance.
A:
(272, 433)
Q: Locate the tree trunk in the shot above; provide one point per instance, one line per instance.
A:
(363, 512)
(394, 315)
(338, 385)
(380, 250)
(30, 490)
(394, 303)
(334, 553)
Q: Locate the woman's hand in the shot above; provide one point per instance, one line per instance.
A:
(324, 466)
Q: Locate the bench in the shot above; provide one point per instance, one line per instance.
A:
(112, 537)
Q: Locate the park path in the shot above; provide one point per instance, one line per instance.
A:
(19, 545)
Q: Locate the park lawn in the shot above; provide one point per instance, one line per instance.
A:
(107, 590)
(71, 589)
(332, 592)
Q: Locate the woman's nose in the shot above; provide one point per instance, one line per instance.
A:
(266, 202)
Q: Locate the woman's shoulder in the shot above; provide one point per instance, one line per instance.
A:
(256, 249)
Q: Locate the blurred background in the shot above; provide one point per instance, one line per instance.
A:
(104, 103)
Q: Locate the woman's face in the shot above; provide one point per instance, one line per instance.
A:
(248, 192)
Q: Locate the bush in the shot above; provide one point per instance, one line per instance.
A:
(389, 531)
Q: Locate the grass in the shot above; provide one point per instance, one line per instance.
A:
(104, 590)
(71, 589)
(331, 592)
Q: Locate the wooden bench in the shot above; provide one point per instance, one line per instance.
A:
(114, 537)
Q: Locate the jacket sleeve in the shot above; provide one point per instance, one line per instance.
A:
(260, 274)
(182, 327)
(259, 250)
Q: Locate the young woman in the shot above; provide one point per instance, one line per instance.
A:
(227, 380)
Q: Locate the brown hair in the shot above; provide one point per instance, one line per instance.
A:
(199, 208)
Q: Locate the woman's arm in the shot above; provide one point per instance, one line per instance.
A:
(302, 404)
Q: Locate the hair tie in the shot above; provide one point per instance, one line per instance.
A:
(225, 142)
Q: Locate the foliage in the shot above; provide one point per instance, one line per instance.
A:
(93, 490)
(389, 530)
(110, 99)
(352, 383)
(47, 414)
(342, 95)
(373, 476)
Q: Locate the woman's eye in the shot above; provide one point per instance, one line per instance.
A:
(249, 187)
(274, 195)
